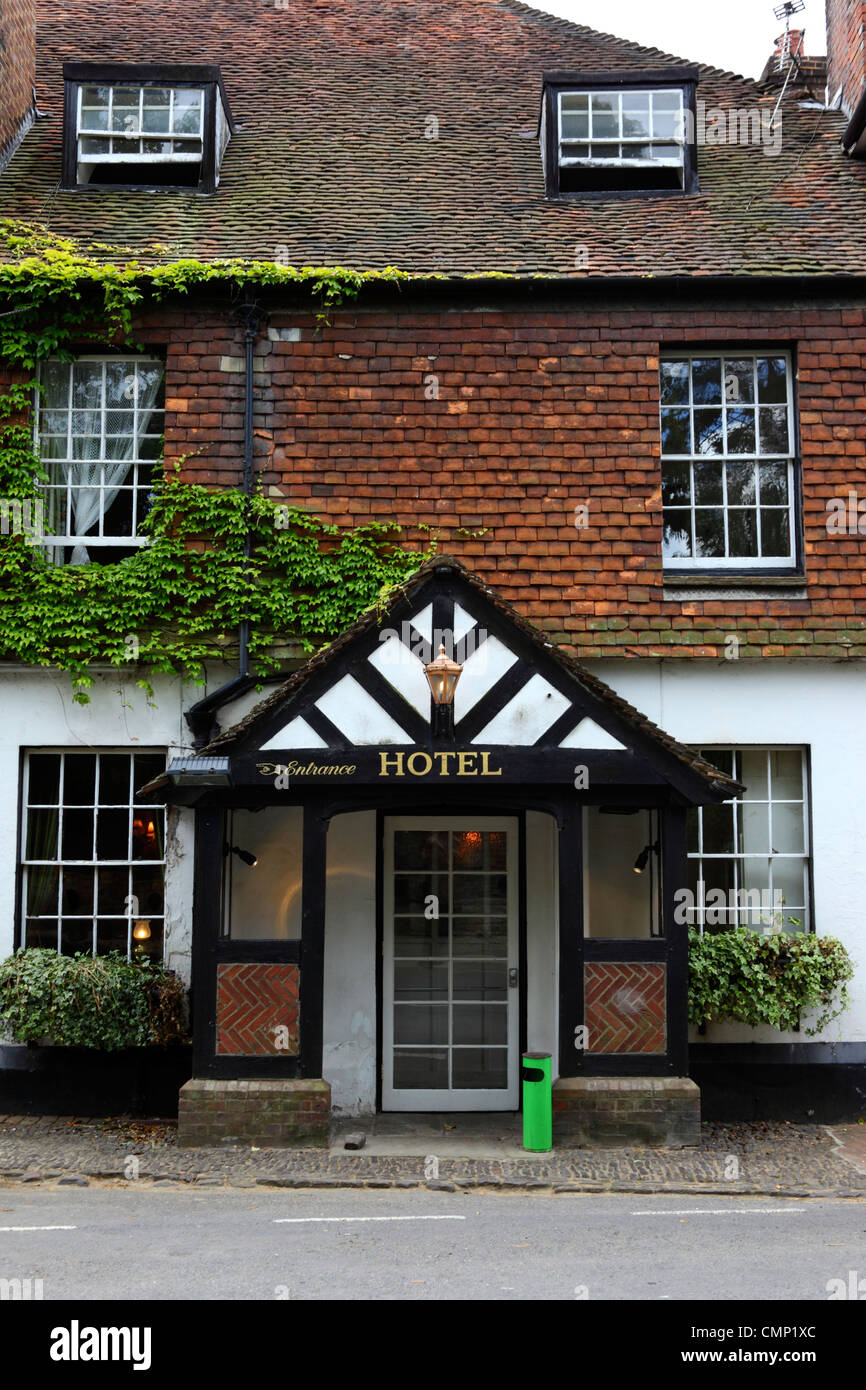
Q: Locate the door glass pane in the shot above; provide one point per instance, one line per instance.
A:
(480, 936)
(420, 1069)
(480, 1023)
(479, 1068)
(422, 980)
(420, 1023)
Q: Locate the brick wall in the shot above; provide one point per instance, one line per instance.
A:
(536, 413)
(846, 50)
(17, 71)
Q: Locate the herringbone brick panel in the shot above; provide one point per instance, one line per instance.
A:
(255, 1003)
(625, 1005)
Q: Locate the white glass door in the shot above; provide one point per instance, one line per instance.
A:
(450, 1018)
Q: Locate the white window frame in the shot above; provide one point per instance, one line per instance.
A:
(56, 540)
(763, 919)
(129, 139)
(733, 562)
(94, 862)
(617, 160)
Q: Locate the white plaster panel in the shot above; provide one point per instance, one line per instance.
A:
(404, 672)
(588, 734)
(463, 622)
(804, 702)
(296, 734)
(265, 900)
(485, 666)
(423, 622)
(349, 1054)
(357, 715)
(527, 716)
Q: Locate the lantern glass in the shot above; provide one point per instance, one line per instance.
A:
(443, 675)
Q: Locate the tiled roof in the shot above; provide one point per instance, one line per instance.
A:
(331, 162)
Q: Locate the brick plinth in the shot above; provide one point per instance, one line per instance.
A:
(600, 1112)
(270, 1114)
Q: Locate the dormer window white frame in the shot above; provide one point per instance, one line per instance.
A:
(144, 126)
(619, 133)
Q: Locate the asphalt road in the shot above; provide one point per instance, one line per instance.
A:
(224, 1244)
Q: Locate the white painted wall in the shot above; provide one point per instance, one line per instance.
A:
(821, 705)
(38, 712)
(349, 1054)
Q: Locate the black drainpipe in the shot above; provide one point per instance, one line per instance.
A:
(200, 716)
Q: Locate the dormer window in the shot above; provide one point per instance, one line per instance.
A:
(631, 133)
(143, 126)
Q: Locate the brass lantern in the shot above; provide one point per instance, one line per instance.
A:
(443, 675)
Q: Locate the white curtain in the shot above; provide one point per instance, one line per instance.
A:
(85, 493)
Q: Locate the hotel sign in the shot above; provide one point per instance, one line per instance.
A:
(457, 763)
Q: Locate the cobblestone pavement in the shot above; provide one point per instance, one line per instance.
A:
(775, 1159)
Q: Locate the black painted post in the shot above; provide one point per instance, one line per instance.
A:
(312, 990)
(206, 906)
(675, 876)
(570, 937)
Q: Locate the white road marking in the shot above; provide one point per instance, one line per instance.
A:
(38, 1228)
(300, 1220)
(719, 1211)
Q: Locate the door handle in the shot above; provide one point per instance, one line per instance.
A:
(512, 978)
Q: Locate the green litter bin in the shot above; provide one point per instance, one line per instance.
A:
(537, 1102)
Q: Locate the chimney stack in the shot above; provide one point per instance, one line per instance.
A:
(17, 73)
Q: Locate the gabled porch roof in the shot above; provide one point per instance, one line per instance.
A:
(358, 713)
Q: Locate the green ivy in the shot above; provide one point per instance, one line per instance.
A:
(770, 979)
(174, 604)
(90, 1001)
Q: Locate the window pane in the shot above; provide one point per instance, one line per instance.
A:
(786, 773)
(479, 1068)
(42, 885)
(774, 484)
(709, 438)
(112, 935)
(708, 484)
(676, 535)
(44, 779)
(114, 779)
(773, 430)
(718, 829)
(420, 1023)
(753, 772)
(79, 782)
(479, 936)
(743, 534)
(77, 892)
(707, 381)
(147, 839)
(147, 887)
(739, 380)
(422, 1069)
(422, 980)
(76, 937)
(674, 383)
(415, 936)
(741, 430)
(754, 826)
(741, 484)
(421, 849)
(676, 432)
(413, 893)
(788, 828)
(112, 835)
(676, 485)
(709, 534)
(77, 839)
(480, 1023)
(112, 891)
(775, 534)
(772, 380)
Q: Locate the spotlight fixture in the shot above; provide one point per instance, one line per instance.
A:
(643, 858)
(243, 854)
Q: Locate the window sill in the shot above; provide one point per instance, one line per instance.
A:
(682, 585)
